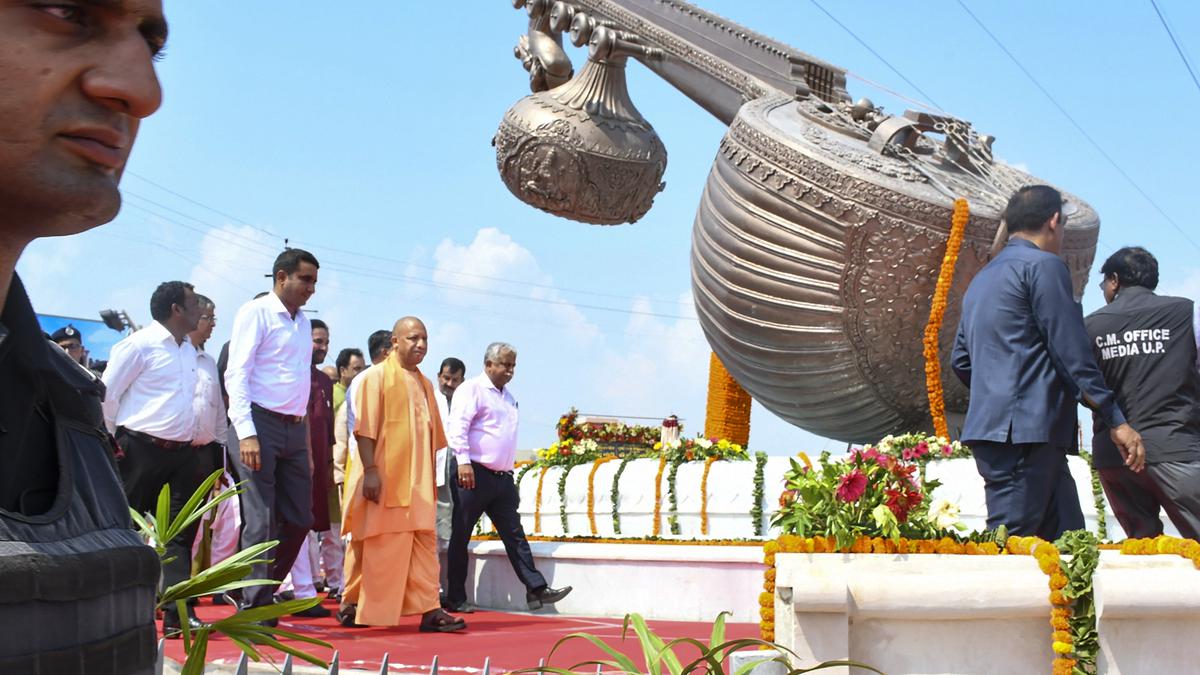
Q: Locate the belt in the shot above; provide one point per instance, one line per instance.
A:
(492, 471)
(155, 440)
(287, 419)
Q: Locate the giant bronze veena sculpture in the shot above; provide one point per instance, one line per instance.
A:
(818, 240)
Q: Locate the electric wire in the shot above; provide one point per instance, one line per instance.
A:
(1178, 48)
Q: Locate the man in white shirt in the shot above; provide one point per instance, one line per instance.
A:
(150, 386)
(211, 424)
(483, 439)
(268, 380)
(450, 375)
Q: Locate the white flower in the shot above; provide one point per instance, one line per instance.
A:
(704, 443)
(944, 514)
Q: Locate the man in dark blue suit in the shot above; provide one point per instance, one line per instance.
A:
(1023, 350)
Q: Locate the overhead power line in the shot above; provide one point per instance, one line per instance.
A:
(1078, 127)
(1178, 48)
(933, 104)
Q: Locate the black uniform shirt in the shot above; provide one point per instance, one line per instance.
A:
(1146, 347)
(38, 383)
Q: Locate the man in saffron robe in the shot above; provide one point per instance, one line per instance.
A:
(391, 513)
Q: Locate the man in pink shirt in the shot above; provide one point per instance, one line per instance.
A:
(482, 435)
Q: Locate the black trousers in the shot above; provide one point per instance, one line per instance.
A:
(277, 500)
(496, 495)
(1028, 488)
(1137, 497)
(145, 469)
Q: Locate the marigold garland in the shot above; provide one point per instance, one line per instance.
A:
(1044, 553)
(583, 539)
(537, 503)
(937, 311)
(704, 495)
(591, 493)
(656, 527)
(728, 411)
(1163, 545)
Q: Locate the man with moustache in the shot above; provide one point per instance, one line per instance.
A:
(450, 375)
(391, 505)
(74, 85)
(209, 406)
(151, 391)
(483, 440)
(268, 380)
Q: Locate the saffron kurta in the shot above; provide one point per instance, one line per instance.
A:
(392, 563)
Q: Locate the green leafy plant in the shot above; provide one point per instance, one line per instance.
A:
(616, 493)
(667, 657)
(673, 495)
(1083, 547)
(756, 511)
(245, 627)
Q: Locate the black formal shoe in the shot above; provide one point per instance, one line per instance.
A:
(314, 612)
(334, 594)
(171, 628)
(284, 596)
(546, 596)
(463, 607)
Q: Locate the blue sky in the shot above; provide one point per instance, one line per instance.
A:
(364, 136)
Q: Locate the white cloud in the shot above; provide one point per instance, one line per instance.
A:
(495, 265)
(49, 268)
(1186, 285)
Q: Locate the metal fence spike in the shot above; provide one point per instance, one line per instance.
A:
(487, 665)
(383, 667)
(287, 665)
(334, 663)
(243, 665)
(598, 671)
(433, 667)
(159, 662)
(541, 664)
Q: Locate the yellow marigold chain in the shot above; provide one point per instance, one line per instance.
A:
(704, 495)
(1046, 554)
(537, 501)
(937, 311)
(591, 493)
(656, 527)
(728, 411)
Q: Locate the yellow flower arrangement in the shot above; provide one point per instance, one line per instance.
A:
(537, 507)
(728, 411)
(591, 493)
(704, 494)
(656, 528)
(937, 311)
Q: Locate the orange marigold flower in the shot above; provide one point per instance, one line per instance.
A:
(768, 614)
(1063, 666)
(819, 545)
(769, 575)
(766, 599)
(769, 560)
(1047, 564)
(769, 586)
(989, 548)
(1057, 598)
(1061, 636)
(771, 546)
(925, 546)
(947, 546)
(1058, 581)
(1059, 624)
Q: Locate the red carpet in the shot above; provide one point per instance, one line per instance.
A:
(510, 640)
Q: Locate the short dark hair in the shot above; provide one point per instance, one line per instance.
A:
(317, 323)
(455, 365)
(289, 261)
(1134, 266)
(1030, 207)
(167, 294)
(378, 343)
(343, 357)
